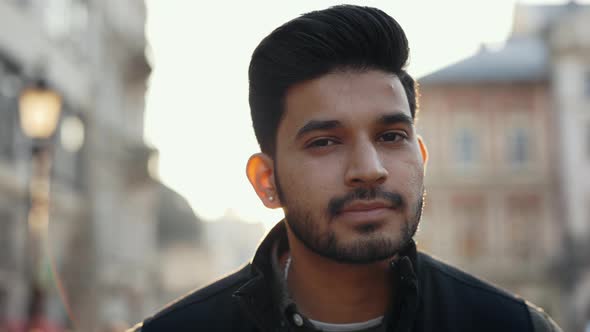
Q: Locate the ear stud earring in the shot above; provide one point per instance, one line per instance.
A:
(271, 198)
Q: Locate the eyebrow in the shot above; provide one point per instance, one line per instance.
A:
(396, 118)
(387, 119)
(314, 125)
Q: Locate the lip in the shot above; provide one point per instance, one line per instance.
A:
(362, 206)
(364, 212)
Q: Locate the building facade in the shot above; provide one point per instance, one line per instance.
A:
(507, 186)
(102, 229)
(569, 44)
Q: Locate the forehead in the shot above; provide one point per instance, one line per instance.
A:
(345, 96)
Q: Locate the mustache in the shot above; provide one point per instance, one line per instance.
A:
(336, 204)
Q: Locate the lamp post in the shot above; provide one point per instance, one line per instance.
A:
(39, 109)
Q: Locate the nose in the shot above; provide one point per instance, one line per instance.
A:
(365, 167)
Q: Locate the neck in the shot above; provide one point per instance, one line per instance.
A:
(333, 292)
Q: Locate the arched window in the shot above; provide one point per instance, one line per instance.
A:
(465, 147)
(518, 147)
(524, 226)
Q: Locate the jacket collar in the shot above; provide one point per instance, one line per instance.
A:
(262, 296)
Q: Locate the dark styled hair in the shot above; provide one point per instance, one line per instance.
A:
(344, 37)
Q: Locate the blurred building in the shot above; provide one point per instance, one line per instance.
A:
(223, 246)
(508, 130)
(181, 247)
(244, 239)
(569, 44)
(122, 243)
(103, 228)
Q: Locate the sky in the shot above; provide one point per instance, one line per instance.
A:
(197, 112)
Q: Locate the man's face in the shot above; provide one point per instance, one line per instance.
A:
(348, 166)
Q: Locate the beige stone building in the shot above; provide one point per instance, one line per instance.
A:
(102, 225)
(122, 243)
(491, 182)
(509, 135)
(569, 43)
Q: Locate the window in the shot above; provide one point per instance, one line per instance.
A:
(10, 85)
(470, 218)
(518, 147)
(523, 229)
(587, 84)
(66, 20)
(7, 127)
(465, 147)
(57, 18)
(6, 251)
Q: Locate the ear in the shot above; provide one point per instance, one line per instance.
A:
(260, 172)
(423, 150)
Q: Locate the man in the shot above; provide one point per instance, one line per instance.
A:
(333, 111)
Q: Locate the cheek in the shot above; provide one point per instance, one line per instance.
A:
(309, 182)
(407, 173)
(318, 173)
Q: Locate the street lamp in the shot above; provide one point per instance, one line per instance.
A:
(39, 109)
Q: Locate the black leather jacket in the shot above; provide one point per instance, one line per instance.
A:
(432, 296)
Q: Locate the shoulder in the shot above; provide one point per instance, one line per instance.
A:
(136, 328)
(445, 288)
(212, 306)
(443, 274)
(485, 301)
(541, 320)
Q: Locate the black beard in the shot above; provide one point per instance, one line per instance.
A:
(373, 248)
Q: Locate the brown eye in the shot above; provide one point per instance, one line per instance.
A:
(392, 137)
(321, 143)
